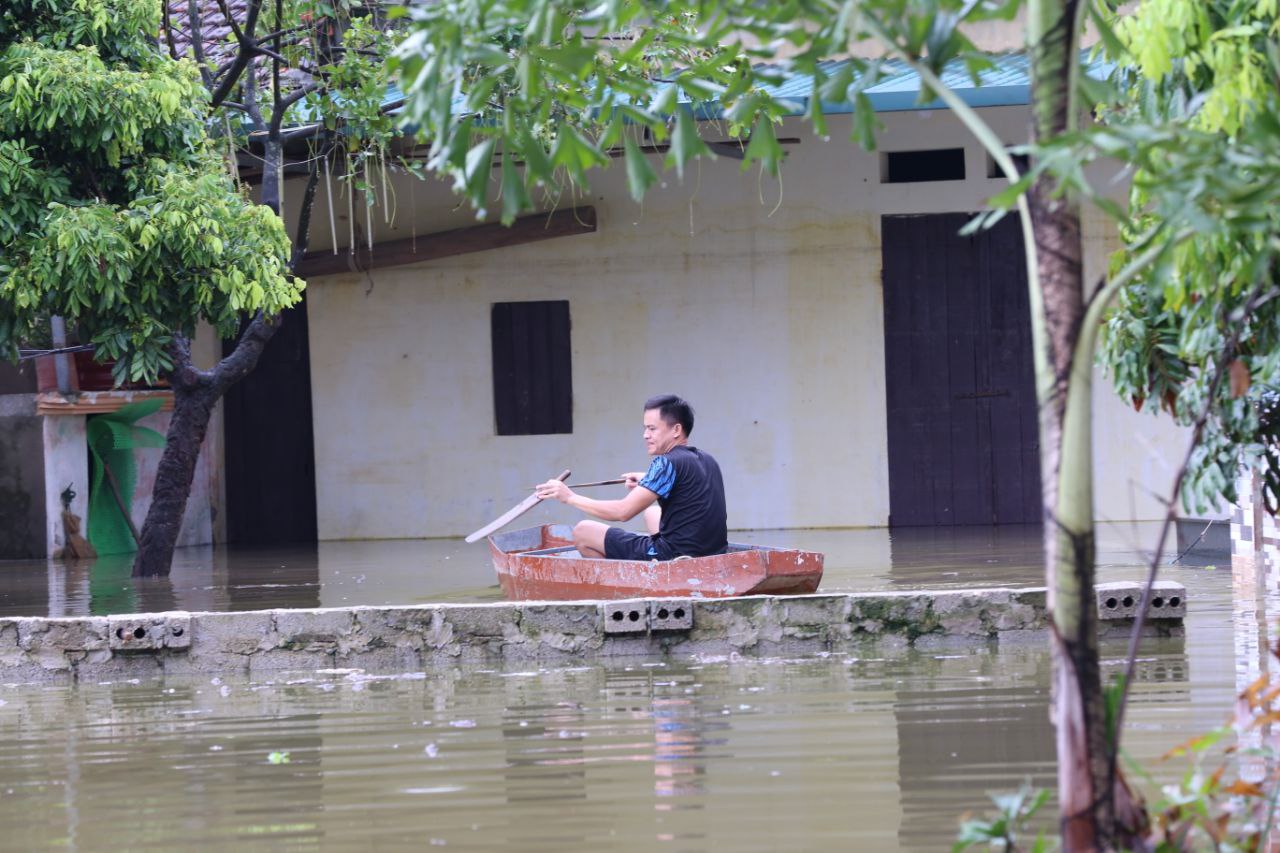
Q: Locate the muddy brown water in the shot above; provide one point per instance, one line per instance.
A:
(875, 752)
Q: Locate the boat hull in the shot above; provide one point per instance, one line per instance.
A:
(541, 564)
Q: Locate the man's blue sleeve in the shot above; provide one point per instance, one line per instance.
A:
(661, 477)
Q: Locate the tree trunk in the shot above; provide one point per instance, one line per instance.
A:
(1086, 806)
(193, 403)
(196, 392)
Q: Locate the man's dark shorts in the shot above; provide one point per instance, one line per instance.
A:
(622, 544)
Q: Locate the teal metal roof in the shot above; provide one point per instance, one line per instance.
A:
(1007, 83)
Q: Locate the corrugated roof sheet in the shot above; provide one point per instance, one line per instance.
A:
(1008, 83)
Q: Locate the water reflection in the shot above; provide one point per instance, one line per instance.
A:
(967, 556)
(201, 579)
(869, 753)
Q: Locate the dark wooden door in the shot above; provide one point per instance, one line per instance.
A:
(963, 429)
(270, 458)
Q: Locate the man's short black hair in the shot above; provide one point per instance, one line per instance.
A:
(672, 410)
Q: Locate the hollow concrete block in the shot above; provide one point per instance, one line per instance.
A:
(1168, 600)
(1117, 600)
(625, 617)
(149, 631)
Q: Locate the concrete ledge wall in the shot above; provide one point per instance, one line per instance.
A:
(417, 638)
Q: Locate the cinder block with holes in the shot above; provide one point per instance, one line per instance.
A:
(670, 614)
(1168, 600)
(626, 617)
(158, 631)
(1118, 600)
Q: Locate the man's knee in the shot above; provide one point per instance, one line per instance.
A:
(591, 535)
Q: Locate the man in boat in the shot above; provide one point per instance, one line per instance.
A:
(681, 496)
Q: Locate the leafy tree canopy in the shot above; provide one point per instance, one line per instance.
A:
(553, 88)
(1197, 118)
(117, 213)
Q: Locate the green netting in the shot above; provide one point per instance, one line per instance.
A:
(112, 439)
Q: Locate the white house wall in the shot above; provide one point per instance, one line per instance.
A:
(769, 322)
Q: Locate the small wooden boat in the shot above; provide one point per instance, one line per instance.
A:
(541, 564)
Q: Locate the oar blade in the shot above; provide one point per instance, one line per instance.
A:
(511, 514)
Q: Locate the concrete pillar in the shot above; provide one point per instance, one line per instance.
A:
(66, 463)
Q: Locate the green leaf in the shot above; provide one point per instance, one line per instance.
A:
(763, 147)
(515, 199)
(536, 162)
(476, 172)
(1115, 48)
(686, 144)
(640, 175)
(865, 122)
(575, 152)
(664, 100)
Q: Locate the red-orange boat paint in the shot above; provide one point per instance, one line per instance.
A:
(541, 564)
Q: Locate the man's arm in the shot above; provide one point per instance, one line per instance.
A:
(637, 501)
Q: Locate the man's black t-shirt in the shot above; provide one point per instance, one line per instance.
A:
(691, 493)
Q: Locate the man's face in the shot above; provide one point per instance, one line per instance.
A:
(659, 436)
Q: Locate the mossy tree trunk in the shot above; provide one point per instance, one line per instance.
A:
(1087, 802)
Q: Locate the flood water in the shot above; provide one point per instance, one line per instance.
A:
(339, 574)
(864, 753)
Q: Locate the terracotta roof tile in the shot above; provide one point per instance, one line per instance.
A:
(215, 29)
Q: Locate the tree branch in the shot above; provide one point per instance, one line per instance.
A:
(298, 94)
(197, 41)
(278, 33)
(245, 356)
(244, 54)
(167, 24)
(231, 21)
(251, 95)
(185, 376)
(271, 54)
(302, 236)
(277, 114)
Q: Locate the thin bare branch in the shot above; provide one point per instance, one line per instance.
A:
(231, 21)
(280, 60)
(167, 24)
(251, 95)
(197, 41)
(298, 94)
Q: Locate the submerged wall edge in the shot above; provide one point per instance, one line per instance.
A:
(423, 637)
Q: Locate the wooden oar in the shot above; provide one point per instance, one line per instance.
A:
(589, 485)
(511, 514)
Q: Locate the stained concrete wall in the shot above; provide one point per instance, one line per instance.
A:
(417, 638)
(21, 479)
(757, 300)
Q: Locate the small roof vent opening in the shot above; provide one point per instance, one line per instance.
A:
(911, 167)
(1021, 161)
